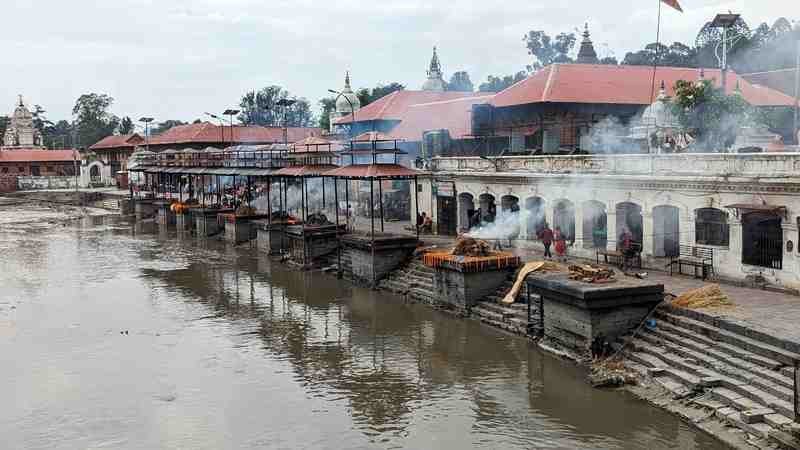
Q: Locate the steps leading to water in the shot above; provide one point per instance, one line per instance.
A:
(746, 381)
(512, 318)
(414, 280)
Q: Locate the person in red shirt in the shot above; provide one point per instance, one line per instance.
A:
(546, 236)
(561, 245)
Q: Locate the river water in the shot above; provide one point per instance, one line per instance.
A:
(111, 337)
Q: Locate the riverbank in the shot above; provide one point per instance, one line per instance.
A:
(159, 340)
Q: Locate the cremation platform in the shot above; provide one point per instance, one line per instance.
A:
(367, 262)
(307, 243)
(575, 314)
(166, 216)
(206, 222)
(144, 208)
(462, 281)
(239, 229)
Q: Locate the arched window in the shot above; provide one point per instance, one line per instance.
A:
(711, 227)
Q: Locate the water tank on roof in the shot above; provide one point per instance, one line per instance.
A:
(435, 143)
(482, 119)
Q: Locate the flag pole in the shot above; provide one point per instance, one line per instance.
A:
(655, 67)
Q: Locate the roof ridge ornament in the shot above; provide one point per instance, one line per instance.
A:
(587, 54)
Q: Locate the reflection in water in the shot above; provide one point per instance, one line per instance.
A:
(227, 349)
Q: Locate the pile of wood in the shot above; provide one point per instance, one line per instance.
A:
(589, 273)
(318, 220)
(245, 210)
(467, 246)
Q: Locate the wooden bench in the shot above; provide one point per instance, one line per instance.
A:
(619, 259)
(695, 257)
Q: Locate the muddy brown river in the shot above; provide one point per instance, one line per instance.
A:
(113, 336)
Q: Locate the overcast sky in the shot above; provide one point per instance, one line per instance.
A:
(176, 59)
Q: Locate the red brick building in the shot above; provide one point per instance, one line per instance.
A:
(16, 162)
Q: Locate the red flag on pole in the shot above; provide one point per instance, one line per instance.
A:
(673, 3)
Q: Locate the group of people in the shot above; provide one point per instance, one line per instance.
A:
(548, 237)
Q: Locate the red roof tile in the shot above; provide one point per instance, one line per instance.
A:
(392, 106)
(781, 80)
(117, 141)
(370, 136)
(36, 155)
(607, 84)
(373, 171)
(452, 115)
(206, 132)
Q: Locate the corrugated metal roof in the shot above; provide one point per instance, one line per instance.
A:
(305, 171)
(367, 171)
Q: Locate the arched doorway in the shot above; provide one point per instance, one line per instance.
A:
(564, 219)
(595, 225)
(629, 218)
(466, 211)
(94, 173)
(488, 208)
(534, 216)
(762, 240)
(509, 203)
(666, 231)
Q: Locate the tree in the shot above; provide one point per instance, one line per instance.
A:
(126, 125)
(460, 81)
(59, 135)
(367, 96)
(165, 125)
(261, 108)
(93, 120)
(497, 84)
(712, 117)
(546, 50)
(327, 105)
(4, 121)
(609, 60)
(676, 55)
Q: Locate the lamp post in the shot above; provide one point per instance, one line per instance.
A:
(285, 103)
(230, 113)
(221, 126)
(146, 121)
(725, 21)
(352, 110)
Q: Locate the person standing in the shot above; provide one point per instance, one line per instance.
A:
(546, 236)
(561, 245)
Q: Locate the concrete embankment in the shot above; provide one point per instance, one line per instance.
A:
(734, 383)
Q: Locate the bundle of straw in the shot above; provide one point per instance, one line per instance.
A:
(709, 296)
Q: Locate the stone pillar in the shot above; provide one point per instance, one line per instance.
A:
(647, 233)
(611, 228)
(733, 268)
(578, 247)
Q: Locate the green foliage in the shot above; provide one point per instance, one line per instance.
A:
(261, 108)
(126, 125)
(460, 81)
(164, 126)
(547, 50)
(367, 96)
(327, 105)
(497, 84)
(93, 120)
(710, 116)
(676, 55)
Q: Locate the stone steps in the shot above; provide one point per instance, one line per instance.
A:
(742, 379)
(758, 352)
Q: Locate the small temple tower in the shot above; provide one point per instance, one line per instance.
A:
(21, 132)
(343, 106)
(587, 55)
(435, 81)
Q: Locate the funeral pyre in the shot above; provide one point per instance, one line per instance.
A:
(590, 273)
(470, 255)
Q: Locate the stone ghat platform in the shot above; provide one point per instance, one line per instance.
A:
(308, 243)
(462, 281)
(240, 228)
(576, 314)
(206, 223)
(367, 261)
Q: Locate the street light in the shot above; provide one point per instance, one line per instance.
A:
(230, 113)
(146, 121)
(285, 103)
(352, 110)
(725, 21)
(221, 126)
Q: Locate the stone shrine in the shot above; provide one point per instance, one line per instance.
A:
(21, 132)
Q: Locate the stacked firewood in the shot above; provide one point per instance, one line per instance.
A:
(467, 246)
(589, 273)
(318, 220)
